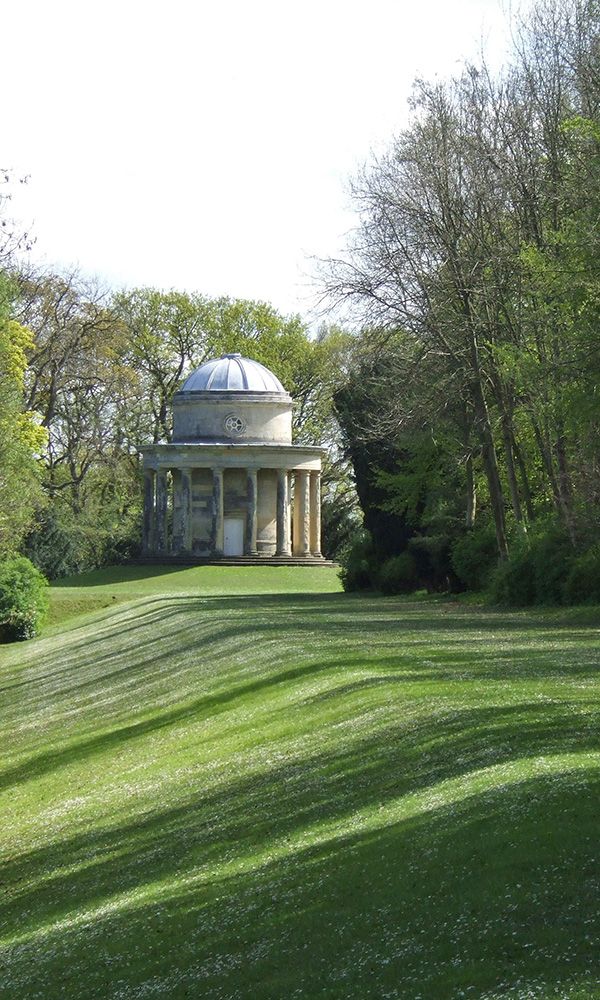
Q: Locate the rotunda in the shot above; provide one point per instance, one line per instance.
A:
(231, 484)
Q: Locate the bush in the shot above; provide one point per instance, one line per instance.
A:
(536, 570)
(23, 599)
(122, 546)
(582, 585)
(552, 559)
(433, 567)
(398, 575)
(474, 556)
(513, 581)
(55, 548)
(357, 563)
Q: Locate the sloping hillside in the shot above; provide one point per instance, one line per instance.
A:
(300, 795)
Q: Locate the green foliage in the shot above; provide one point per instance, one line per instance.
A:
(398, 575)
(56, 548)
(536, 570)
(357, 570)
(23, 599)
(552, 555)
(582, 585)
(474, 556)
(103, 529)
(434, 569)
(21, 438)
(340, 517)
(425, 480)
(476, 256)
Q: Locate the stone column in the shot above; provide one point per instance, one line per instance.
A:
(302, 514)
(283, 514)
(176, 534)
(161, 512)
(217, 511)
(315, 513)
(148, 529)
(186, 510)
(251, 518)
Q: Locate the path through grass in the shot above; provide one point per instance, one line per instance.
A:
(300, 795)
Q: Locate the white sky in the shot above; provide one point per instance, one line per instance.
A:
(207, 146)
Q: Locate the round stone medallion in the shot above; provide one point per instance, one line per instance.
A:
(234, 424)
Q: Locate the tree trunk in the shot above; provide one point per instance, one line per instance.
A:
(561, 503)
(471, 493)
(525, 487)
(488, 449)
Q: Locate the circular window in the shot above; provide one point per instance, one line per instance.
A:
(234, 424)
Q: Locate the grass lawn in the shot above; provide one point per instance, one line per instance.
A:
(104, 588)
(242, 783)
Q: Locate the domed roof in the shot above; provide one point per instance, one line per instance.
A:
(232, 373)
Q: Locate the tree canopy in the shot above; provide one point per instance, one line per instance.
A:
(474, 267)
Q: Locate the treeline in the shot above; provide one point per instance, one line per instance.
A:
(96, 374)
(472, 408)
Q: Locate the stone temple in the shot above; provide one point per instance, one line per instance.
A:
(231, 484)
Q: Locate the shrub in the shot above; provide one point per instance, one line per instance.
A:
(122, 546)
(474, 556)
(54, 547)
(23, 599)
(552, 559)
(398, 575)
(536, 570)
(513, 581)
(582, 585)
(433, 567)
(357, 563)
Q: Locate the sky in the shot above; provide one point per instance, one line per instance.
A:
(208, 146)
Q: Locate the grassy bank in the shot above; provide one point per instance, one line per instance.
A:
(317, 795)
(105, 588)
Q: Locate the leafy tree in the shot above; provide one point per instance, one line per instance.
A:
(478, 238)
(21, 437)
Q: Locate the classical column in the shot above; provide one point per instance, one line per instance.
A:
(176, 533)
(217, 511)
(148, 532)
(283, 514)
(302, 514)
(161, 512)
(315, 513)
(251, 519)
(186, 509)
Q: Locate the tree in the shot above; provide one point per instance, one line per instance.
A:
(472, 240)
(21, 437)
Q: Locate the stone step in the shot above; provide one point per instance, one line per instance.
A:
(187, 560)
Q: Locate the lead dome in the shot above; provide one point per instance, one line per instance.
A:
(232, 373)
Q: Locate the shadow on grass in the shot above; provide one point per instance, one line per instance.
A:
(497, 890)
(307, 789)
(118, 574)
(160, 635)
(538, 727)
